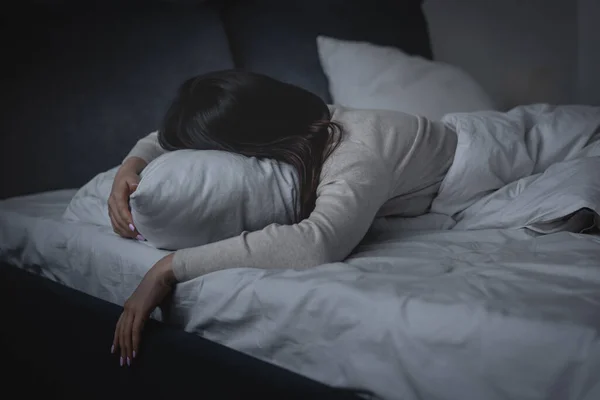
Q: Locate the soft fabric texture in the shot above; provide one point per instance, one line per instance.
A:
(277, 38)
(388, 163)
(189, 198)
(368, 76)
(530, 167)
(413, 314)
(387, 158)
(89, 204)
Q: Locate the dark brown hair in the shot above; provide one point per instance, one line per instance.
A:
(255, 116)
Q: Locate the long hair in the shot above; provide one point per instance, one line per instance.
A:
(255, 116)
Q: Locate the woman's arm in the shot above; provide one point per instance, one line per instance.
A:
(125, 183)
(146, 149)
(356, 186)
(134, 164)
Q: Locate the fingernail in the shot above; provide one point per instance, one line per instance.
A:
(140, 238)
(131, 227)
(128, 362)
(121, 361)
(112, 349)
(134, 354)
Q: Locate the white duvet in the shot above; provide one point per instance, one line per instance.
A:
(423, 309)
(530, 167)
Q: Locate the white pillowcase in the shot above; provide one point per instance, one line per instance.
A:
(188, 198)
(366, 76)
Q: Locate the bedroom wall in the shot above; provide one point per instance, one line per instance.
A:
(521, 51)
(588, 71)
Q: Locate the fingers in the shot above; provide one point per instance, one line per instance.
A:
(118, 206)
(117, 226)
(125, 339)
(123, 229)
(132, 186)
(115, 344)
(120, 220)
(122, 351)
(122, 216)
(113, 211)
(138, 325)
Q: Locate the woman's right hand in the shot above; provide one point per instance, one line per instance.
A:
(125, 183)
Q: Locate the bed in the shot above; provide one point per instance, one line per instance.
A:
(98, 76)
(418, 310)
(413, 313)
(49, 336)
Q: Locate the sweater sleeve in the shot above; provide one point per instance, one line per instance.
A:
(354, 185)
(147, 148)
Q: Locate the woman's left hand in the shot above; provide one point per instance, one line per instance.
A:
(152, 290)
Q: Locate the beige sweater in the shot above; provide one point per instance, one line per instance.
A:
(388, 163)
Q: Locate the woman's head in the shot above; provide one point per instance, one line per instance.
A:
(256, 116)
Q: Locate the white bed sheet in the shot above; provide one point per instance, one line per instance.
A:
(490, 314)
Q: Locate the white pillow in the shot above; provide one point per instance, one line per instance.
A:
(188, 198)
(365, 76)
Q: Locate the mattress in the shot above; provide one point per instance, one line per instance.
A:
(414, 313)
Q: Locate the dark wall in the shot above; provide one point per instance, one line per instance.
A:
(84, 83)
(83, 80)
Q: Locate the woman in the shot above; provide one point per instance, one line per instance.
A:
(353, 165)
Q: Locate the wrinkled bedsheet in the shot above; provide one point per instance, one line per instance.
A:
(533, 167)
(413, 314)
(493, 295)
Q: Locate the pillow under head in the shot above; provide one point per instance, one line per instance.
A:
(188, 198)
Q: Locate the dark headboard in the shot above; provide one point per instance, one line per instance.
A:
(278, 37)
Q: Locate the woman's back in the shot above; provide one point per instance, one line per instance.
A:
(415, 153)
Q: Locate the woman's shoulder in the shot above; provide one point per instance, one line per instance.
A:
(361, 124)
(376, 130)
(352, 158)
(340, 112)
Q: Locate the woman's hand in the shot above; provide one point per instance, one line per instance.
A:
(125, 183)
(152, 290)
